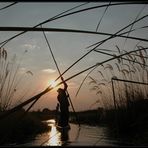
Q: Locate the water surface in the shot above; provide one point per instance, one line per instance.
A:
(76, 136)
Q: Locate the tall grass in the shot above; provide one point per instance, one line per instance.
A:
(10, 79)
(129, 97)
(124, 70)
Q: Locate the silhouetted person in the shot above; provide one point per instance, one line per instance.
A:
(64, 105)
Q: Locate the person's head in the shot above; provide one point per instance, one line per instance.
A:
(60, 90)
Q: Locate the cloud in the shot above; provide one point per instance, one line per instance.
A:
(22, 70)
(29, 46)
(48, 70)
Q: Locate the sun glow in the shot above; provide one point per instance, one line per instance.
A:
(52, 83)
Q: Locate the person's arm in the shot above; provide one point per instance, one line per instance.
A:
(65, 85)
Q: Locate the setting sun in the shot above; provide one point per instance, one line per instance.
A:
(52, 83)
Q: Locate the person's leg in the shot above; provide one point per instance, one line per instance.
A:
(66, 117)
(62, 118)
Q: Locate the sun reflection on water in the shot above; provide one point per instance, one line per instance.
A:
(54, 135)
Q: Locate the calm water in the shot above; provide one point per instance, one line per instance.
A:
(83, 136)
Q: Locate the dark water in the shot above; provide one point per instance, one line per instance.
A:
(76, 136)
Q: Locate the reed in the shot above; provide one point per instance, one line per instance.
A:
(127, 95)
(10, 79)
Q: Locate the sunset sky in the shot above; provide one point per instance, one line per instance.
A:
(67, 47)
